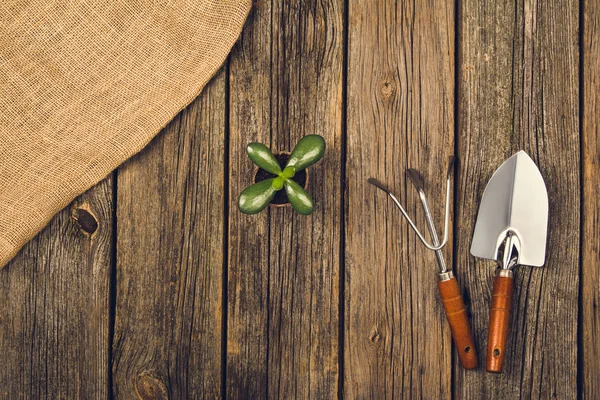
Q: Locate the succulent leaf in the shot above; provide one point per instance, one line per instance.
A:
(256, 197)
(308, 151)
(300, 200)
(278, 183)
(289, 172)
(262, 156)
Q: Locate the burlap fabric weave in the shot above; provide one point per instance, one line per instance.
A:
(86, 84)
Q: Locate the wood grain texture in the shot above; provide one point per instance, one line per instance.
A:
(170, 236)
(286, 82)
(54, 306)
(590, 326)
(180, 239)
(248, 264)
(518, 90)
(400, 115)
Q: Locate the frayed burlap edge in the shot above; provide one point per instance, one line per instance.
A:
(113, 156)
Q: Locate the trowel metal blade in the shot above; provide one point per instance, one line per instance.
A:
(515, 200)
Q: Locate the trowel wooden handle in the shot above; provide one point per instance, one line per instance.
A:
(499, 321)
(459, 322)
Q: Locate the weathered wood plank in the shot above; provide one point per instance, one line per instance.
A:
(590, 327)
(54, 306)
(248, 264)
(518, 89)
(305, 251)
(400, 115)
(284, 267)
(170, 236)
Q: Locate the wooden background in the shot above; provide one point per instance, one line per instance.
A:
(153, 285)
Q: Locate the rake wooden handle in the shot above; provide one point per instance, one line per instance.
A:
(499, 321)
(459, 322)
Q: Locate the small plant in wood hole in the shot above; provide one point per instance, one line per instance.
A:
(281, 171)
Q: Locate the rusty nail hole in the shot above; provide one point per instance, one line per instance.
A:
(496, 353)
(85, 219)
(467, 349)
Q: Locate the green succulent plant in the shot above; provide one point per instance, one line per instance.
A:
(256, 197)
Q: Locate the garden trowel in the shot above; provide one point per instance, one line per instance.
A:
(511, 228)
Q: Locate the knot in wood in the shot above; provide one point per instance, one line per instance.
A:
(84, 217)
(387, 88)
(375, 336)
(149, 387)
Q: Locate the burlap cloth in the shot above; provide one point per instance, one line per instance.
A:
(86, 84)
